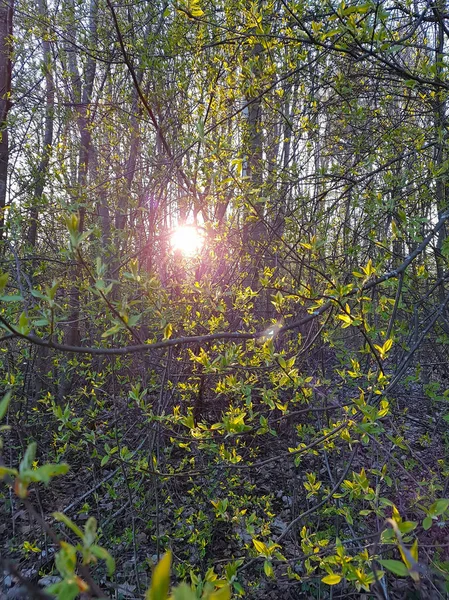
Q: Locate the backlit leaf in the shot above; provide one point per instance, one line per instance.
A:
(222, 594)
(260, 547)
(160, 581)
(332, 579)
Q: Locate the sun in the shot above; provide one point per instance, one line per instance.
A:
(187, 239)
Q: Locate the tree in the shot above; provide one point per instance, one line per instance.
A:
(6, 19)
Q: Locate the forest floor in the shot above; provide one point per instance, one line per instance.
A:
(139, 517)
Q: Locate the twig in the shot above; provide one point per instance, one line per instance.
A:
(100, 483)
(34, 591)
(325, 499)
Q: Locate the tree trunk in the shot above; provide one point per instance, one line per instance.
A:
(6, 16)
(254, 229)
(48, 133)
(440, 155)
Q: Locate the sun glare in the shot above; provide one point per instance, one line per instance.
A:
(271, 332)
(187, 239)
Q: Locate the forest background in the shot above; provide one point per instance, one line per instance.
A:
(224, 298)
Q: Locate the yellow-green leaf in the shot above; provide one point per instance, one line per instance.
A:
(102, 553)
(346, 318)
(260, 547)
(268, 568)
(414, 550)
(197, 12)
(195, 9)
(332, 579)
(4, 404)
(7, 471)
(160, 582)
(369, 270)
(3, 281)
(61, 517)
(387, 346)
(222, 594)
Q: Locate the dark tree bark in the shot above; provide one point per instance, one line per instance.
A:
(82, 95)
(440, 153)
(6, 18)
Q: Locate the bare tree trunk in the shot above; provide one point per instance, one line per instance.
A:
(48, 132)
(253, 230)
(440, 124)
(83, 95)
(82, 84)
(123, 207)
(6, 17)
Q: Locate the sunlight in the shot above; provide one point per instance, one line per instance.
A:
(188, 240)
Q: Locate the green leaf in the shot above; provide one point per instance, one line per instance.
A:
(160, 581)
(7, 471)
(28, 458)
(24, 324)
(407, 526)
(268, 568)
(40, 322)
(44, 473)
(12, 298)
(114, 329)
(62, 518)
(427, 523)
(332, 579)
(238, 588)
(66, 560)
(395, 566)
(90, 531)
(439, 507)
(67, 589)
(183, 592)
(5, 403)
(103, 554)
(360, 9)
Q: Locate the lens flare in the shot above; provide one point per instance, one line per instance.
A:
(188, 240)
(271, 332)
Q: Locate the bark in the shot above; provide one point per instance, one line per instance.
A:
(253, 231)
(82, 96)
(6, 18)
(123, 207)
(42, 169)
(440, 155)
